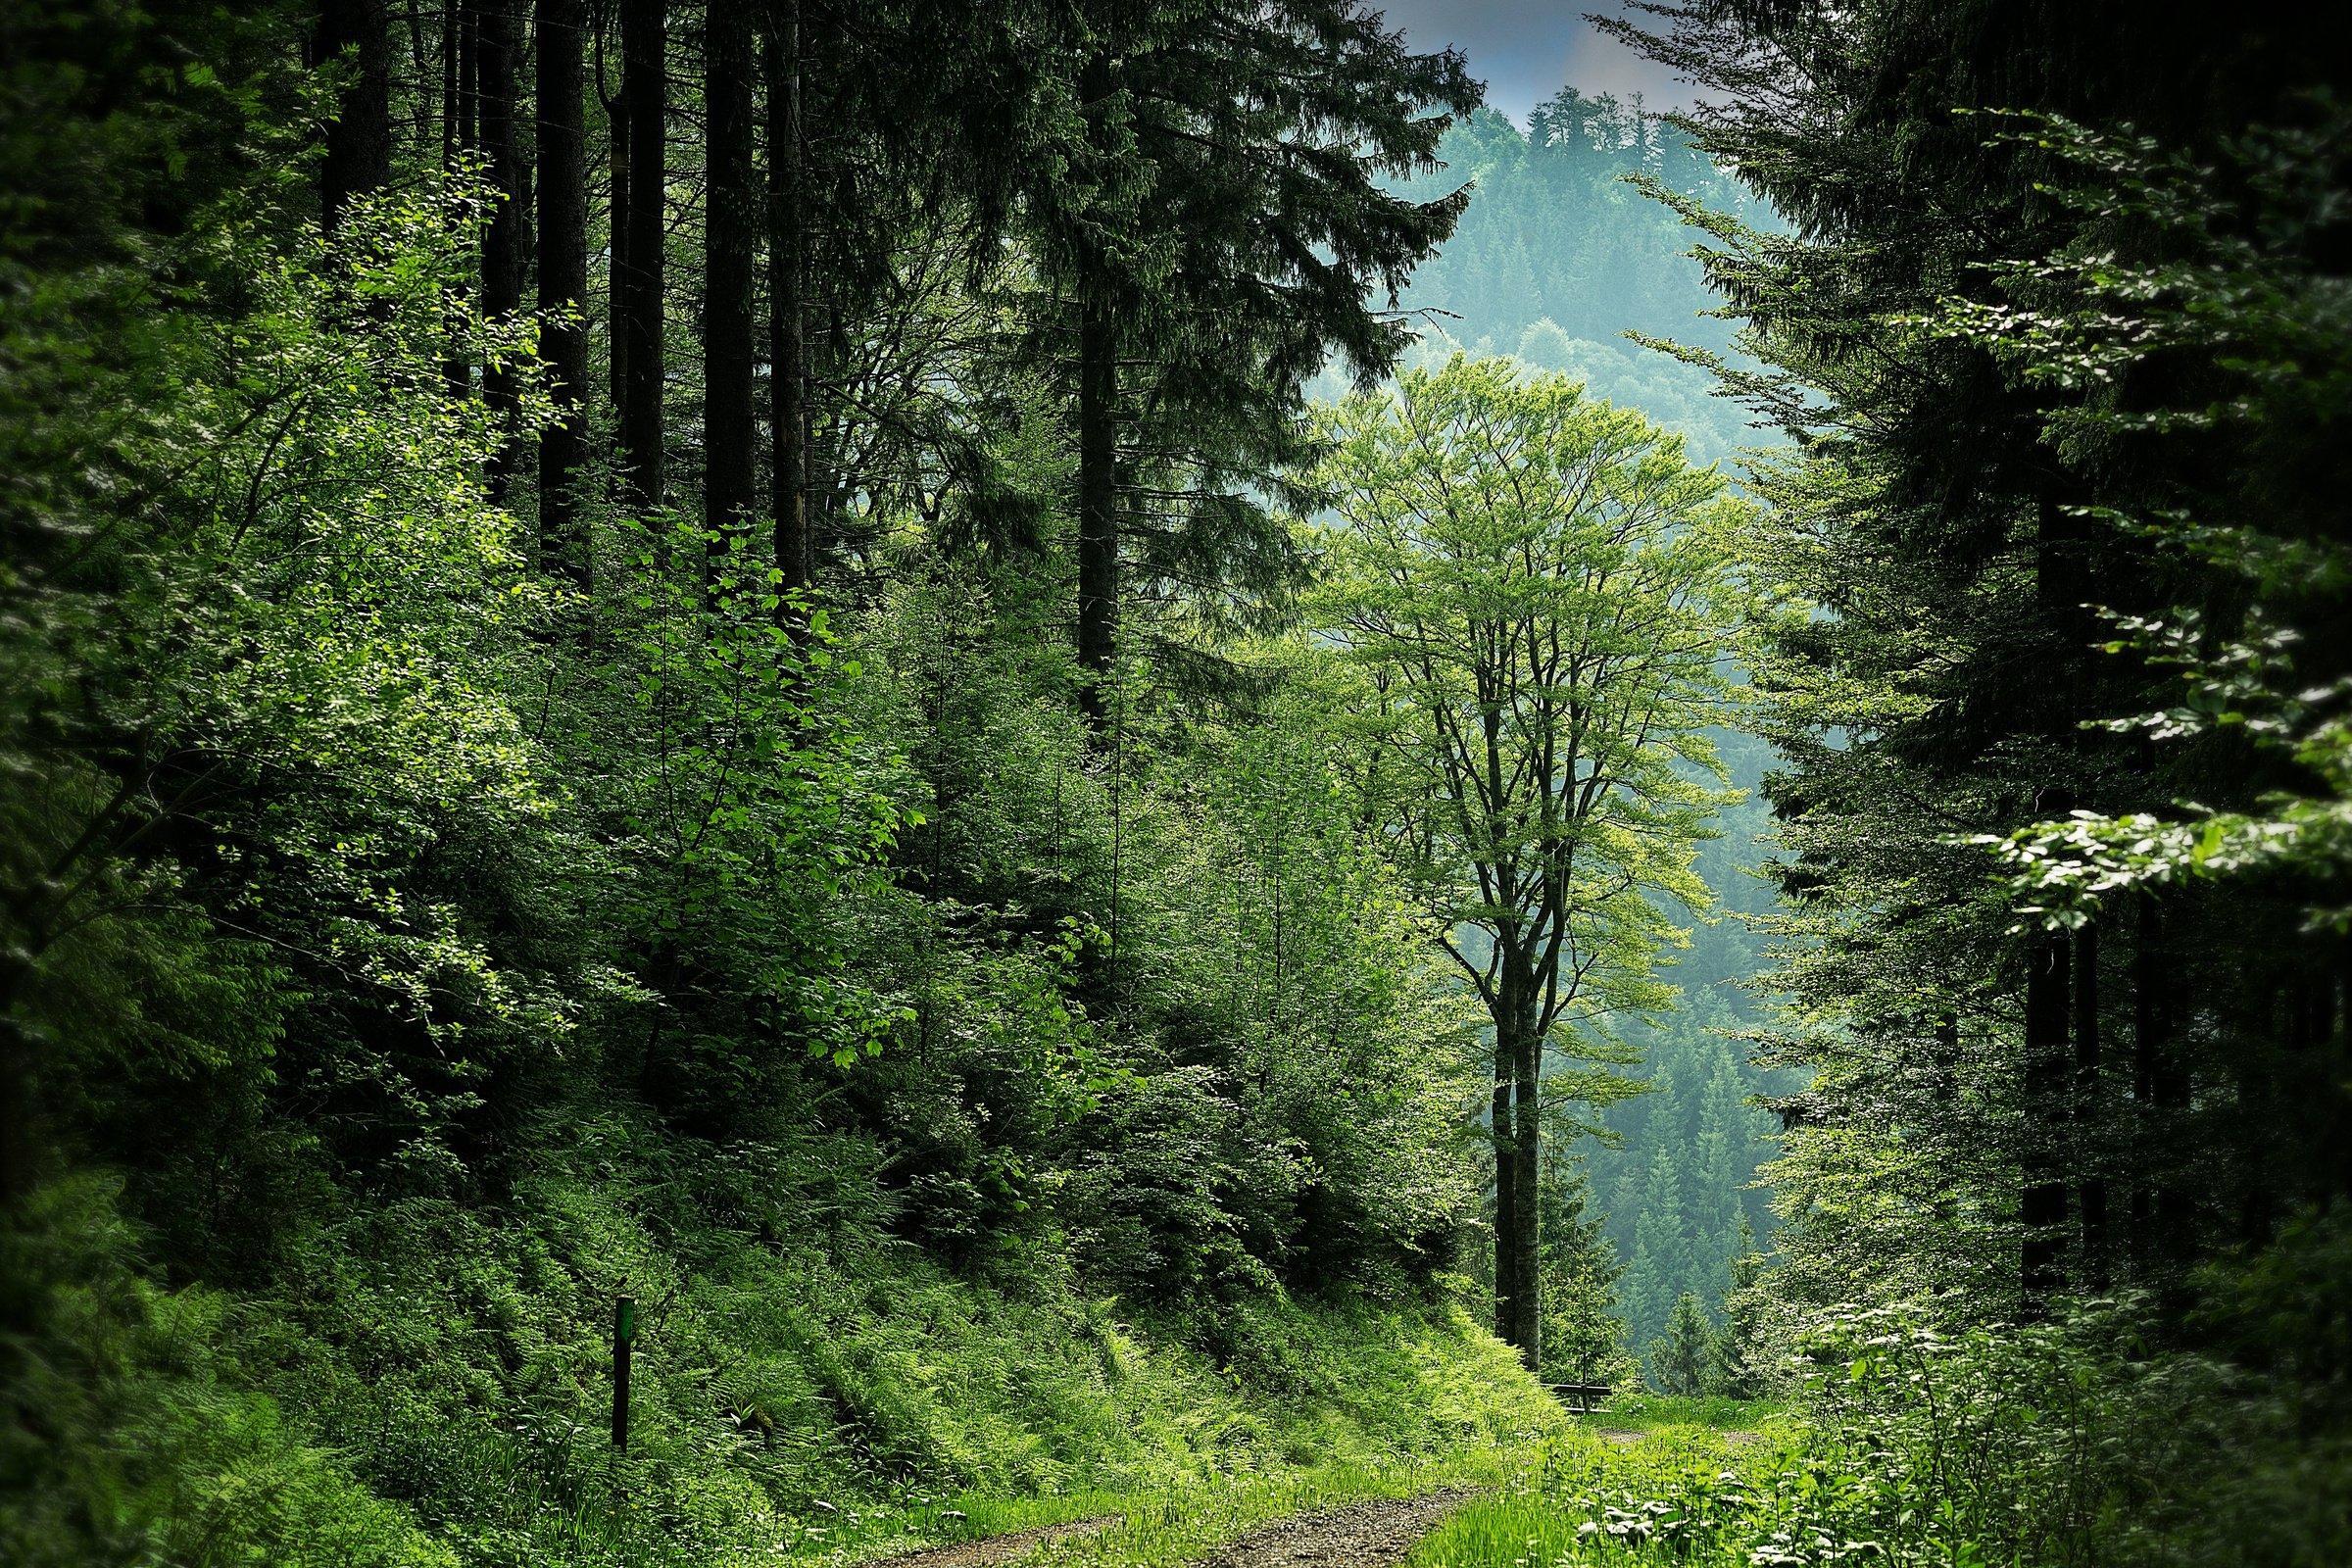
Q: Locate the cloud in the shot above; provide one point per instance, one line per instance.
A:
(1527, 50)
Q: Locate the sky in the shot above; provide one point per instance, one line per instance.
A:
(1527, 50)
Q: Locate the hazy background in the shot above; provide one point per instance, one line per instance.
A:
(1524, 50)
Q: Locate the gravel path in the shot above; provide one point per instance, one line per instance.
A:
(992, 1550)
(1363, 1534)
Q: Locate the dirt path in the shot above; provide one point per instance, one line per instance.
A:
(992, 1550)
(1363, 1534)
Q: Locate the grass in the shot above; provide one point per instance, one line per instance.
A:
(1647, 1412)
(1542, 1482)
(1165, 1527)
(1583, 1499)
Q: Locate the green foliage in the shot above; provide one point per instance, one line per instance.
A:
(1557, 259)
(138, 1439)
(1681, 1493)
(1681, 1360)
(1474, 506)
(1738, 1366)
(1578, 1272)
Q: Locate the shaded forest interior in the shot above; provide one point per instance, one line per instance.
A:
(1128, 751)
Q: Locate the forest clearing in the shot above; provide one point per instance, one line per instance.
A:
(1175, 784)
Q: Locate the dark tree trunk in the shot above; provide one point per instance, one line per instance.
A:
(2043, 1205)
(644, 94)
(504, 240)
(2091, 1142)
(730, 238)
(1098, 502)
(1506, 1186)
(787, 319)
(359, 139)
(563, 544)
(1518, 1145)
(458, 63)
(617, 231)
(1527, 1149)
(2160, 1088)
(452, 45)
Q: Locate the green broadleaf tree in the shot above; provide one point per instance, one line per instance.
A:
(1534, 589)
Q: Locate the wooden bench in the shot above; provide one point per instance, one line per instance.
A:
(1585, 1395)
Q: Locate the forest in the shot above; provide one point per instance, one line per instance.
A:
(1100, 783)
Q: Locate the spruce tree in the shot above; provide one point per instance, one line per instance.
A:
(1226, 234)
(1993, 524)
(1681, 1360)
(1584, 1332)
(1734, 1368)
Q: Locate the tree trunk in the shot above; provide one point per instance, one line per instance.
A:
(730, 238)
(2160, 1088)
(457, 71)
(1507, 1196)
(787, 321)
(2043, 1205)
(644, 94)
(616, 230)
(1098, 501)
(1098, 463)
(1527, 1153)
(1518, 1143)
(359, 139)
(563, 544)
(503, 239)
(2090, 1142)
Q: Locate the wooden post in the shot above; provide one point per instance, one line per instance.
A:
(625, 1333)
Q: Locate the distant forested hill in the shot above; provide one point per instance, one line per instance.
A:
(1557, 258)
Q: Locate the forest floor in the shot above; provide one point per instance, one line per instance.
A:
(1462, 1513)
(1374, 1534)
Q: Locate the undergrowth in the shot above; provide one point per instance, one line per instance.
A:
(429, 1387)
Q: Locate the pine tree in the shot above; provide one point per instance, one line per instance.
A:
(1224, 236)
(1734, 1369)
(1995, 533)
(1584, 1335)
(1681, 1360)
(1662, 1266)
(730, 253)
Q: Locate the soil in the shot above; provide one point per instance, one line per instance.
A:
(1363, 1534)
(992, 1550)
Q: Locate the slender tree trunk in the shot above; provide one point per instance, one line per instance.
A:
(1098, 502)
(503, 242)
(730, 236)
(645, 91)
(563, 544)
(2160, 1086)
(617, 231)
(359, 139)
(458, 63)
(787, 321)
(2043, 1205)
(2091, 1142)
(1508, 1193)
(1098, 464)
(1527, 1149)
